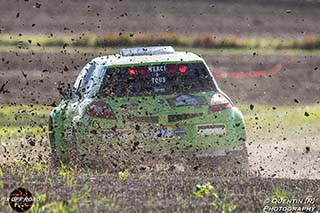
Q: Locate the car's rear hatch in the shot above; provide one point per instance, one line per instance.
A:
(151, 113)
(158, 100)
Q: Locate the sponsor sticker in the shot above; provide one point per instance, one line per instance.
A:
(116, 134)
(211, 129)
(163, 133)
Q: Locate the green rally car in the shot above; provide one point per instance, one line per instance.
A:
(153, 99)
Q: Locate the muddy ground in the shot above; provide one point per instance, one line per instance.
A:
(166, 191)
(264, 18)
(168, 184)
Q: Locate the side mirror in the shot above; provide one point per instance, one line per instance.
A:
(67, 94)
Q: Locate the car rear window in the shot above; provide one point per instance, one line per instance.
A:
(158, 79)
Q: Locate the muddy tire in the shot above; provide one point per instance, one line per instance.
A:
(68, 152)
(53, 157)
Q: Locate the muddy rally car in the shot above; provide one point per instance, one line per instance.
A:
(147, 100)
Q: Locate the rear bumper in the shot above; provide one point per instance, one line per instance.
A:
(225, 134)
(222, 151)
(201, 146)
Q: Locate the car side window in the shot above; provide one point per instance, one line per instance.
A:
(80, 86)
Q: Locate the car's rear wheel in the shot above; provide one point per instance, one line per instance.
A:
(72, 150)
(53, 158)
(66, 152)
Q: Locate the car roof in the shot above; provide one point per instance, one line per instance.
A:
(117, 59)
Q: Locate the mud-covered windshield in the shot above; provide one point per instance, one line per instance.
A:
(160, 79)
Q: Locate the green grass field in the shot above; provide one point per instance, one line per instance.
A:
(201, 51)
(17, 121)
(206, 40)
(203, 44)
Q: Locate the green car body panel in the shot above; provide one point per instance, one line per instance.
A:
(173, 121)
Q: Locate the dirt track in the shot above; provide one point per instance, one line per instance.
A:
(166, 191)
(277, 159)
(171, 187)
(288, 159)
(266, 18)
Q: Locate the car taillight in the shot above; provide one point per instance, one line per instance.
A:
(101, 109)
(219, 102)
(182, 68)
(172, 68)
(143, 71)
(132, 71)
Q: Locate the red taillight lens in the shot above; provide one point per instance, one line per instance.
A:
(182, 68)
(132, 71)
(102, 110)
(172, 68)
(143, 71)
(219, 102)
